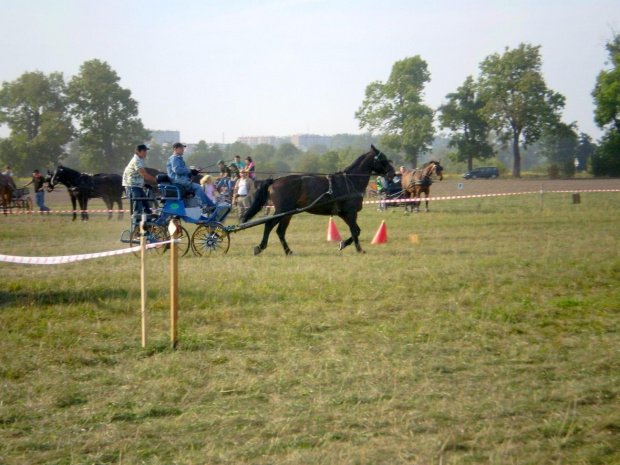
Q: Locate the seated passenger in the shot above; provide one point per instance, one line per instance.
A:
(180, 174)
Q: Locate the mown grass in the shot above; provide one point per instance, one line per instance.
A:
(492, 340)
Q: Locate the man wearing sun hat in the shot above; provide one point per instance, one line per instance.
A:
(180, 174)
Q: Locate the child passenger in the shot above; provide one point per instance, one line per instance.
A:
(208, 186)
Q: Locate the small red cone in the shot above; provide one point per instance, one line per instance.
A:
(381, 236)
(332, 232)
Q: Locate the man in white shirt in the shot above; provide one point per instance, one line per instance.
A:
(244, 188)
(133, 180)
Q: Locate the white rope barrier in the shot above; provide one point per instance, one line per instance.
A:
(478, 196)
(76, 258)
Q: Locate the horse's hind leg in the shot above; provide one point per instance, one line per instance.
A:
(119, 200)
(426, 200)
(84, 208)
(74, 204)
(269, 225)
(281, 231)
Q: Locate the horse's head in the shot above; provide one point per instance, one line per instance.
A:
(381, 165)
(438, 169)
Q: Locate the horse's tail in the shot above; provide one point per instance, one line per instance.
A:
(260, 199)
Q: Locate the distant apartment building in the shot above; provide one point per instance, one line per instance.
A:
(305, 141)
(162, 137)
(253, 141)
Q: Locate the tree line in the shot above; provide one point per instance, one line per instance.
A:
(506, 112)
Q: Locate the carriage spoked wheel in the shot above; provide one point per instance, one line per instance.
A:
(28, 204)
(184, 241)
(154, 233)
(210, 240)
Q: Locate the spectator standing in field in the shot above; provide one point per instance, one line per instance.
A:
(180, 174)
(244, 188)
(39, 189)
(133, 180)
(250, 167)
(209, 187)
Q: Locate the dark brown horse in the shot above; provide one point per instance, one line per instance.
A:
(416, 182)
(336, 194)
(82, 187)
(7, 186)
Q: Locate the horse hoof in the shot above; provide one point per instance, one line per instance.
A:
(257, 250)
(290, 253)
(341, 245)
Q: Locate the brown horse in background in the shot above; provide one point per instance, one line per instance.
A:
(7, 186)
(416, 182)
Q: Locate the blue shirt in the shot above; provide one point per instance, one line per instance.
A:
(178, 172)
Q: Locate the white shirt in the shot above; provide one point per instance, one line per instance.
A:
(242, 189)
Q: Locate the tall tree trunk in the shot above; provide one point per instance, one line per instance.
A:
(470, 162)
(516, 165)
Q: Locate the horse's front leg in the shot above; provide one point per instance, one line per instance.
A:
(351, 221)
(426, 200)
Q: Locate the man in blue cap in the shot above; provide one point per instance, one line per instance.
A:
(180, 174)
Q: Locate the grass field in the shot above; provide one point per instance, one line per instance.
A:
(494, 339)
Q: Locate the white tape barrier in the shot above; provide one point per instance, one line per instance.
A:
(35, 212)
(76, 258)
(478, 196)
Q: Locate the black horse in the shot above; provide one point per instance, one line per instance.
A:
(82, 187)
(336, 194)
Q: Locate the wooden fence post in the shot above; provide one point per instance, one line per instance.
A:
(143, 277)
(173, 229)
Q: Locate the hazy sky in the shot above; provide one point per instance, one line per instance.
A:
(217, 70)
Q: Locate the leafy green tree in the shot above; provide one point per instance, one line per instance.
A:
(34, 108)
(329, 162)
(308, 163)
(606, 93)
(288, 153)
(462, 115)
(607, 113)
(605, 161)
(518, 104)
(263, 153)
(559, 146)
(585, 150)
(158, 155)
(107, 117)
(395, 109)
(237, 148)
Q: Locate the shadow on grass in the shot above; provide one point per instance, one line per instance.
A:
(26, 297)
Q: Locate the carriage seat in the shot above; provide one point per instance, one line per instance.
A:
(169, 189)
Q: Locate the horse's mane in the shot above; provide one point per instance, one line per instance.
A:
(353, 163)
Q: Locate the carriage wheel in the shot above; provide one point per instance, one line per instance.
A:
(28, 204)
(210, 240)
(154, 233)
(185, 240)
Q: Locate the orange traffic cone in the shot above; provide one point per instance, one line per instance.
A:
(381, 236)
(332, 231)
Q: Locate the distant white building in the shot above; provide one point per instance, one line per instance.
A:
(253, 141)
(305, 141)
(162, 137)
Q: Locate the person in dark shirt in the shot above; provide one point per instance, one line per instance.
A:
(224, 176)
(39, 189)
